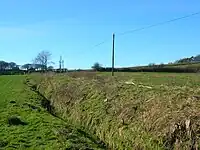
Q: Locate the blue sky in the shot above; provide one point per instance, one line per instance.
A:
(71, 28)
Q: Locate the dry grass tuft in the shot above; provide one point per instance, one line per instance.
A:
(149, 112)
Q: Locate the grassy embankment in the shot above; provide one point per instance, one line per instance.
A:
(131, 110)
(25, 124)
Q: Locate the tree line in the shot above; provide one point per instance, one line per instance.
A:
(188, 65)
(192, 59)
(40, 63)
(8, 65)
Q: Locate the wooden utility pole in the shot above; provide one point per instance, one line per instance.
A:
(60, 64)
(113, 55)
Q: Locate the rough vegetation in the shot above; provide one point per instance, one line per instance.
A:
(131, 110)
(96, 111)
(25, 124)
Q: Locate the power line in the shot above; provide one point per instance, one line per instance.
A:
(100, 43)
(150, 26)
(158, 24)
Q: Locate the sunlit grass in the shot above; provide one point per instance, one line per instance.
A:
(130, 110)
(41, 130)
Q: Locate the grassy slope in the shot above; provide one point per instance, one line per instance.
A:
(43, 131)
(184, 65)
(132, 110)
(195, 65)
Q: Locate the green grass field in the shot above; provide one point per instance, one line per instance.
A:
(130, 110)
(35, 127)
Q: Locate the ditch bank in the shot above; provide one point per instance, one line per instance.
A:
(127, 115)
(74, 135)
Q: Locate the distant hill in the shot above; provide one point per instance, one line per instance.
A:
(185, 65)
(191, 64)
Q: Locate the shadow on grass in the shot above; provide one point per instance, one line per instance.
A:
(14, 120)
(81, 139)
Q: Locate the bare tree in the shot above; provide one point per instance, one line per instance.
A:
(43, 59)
